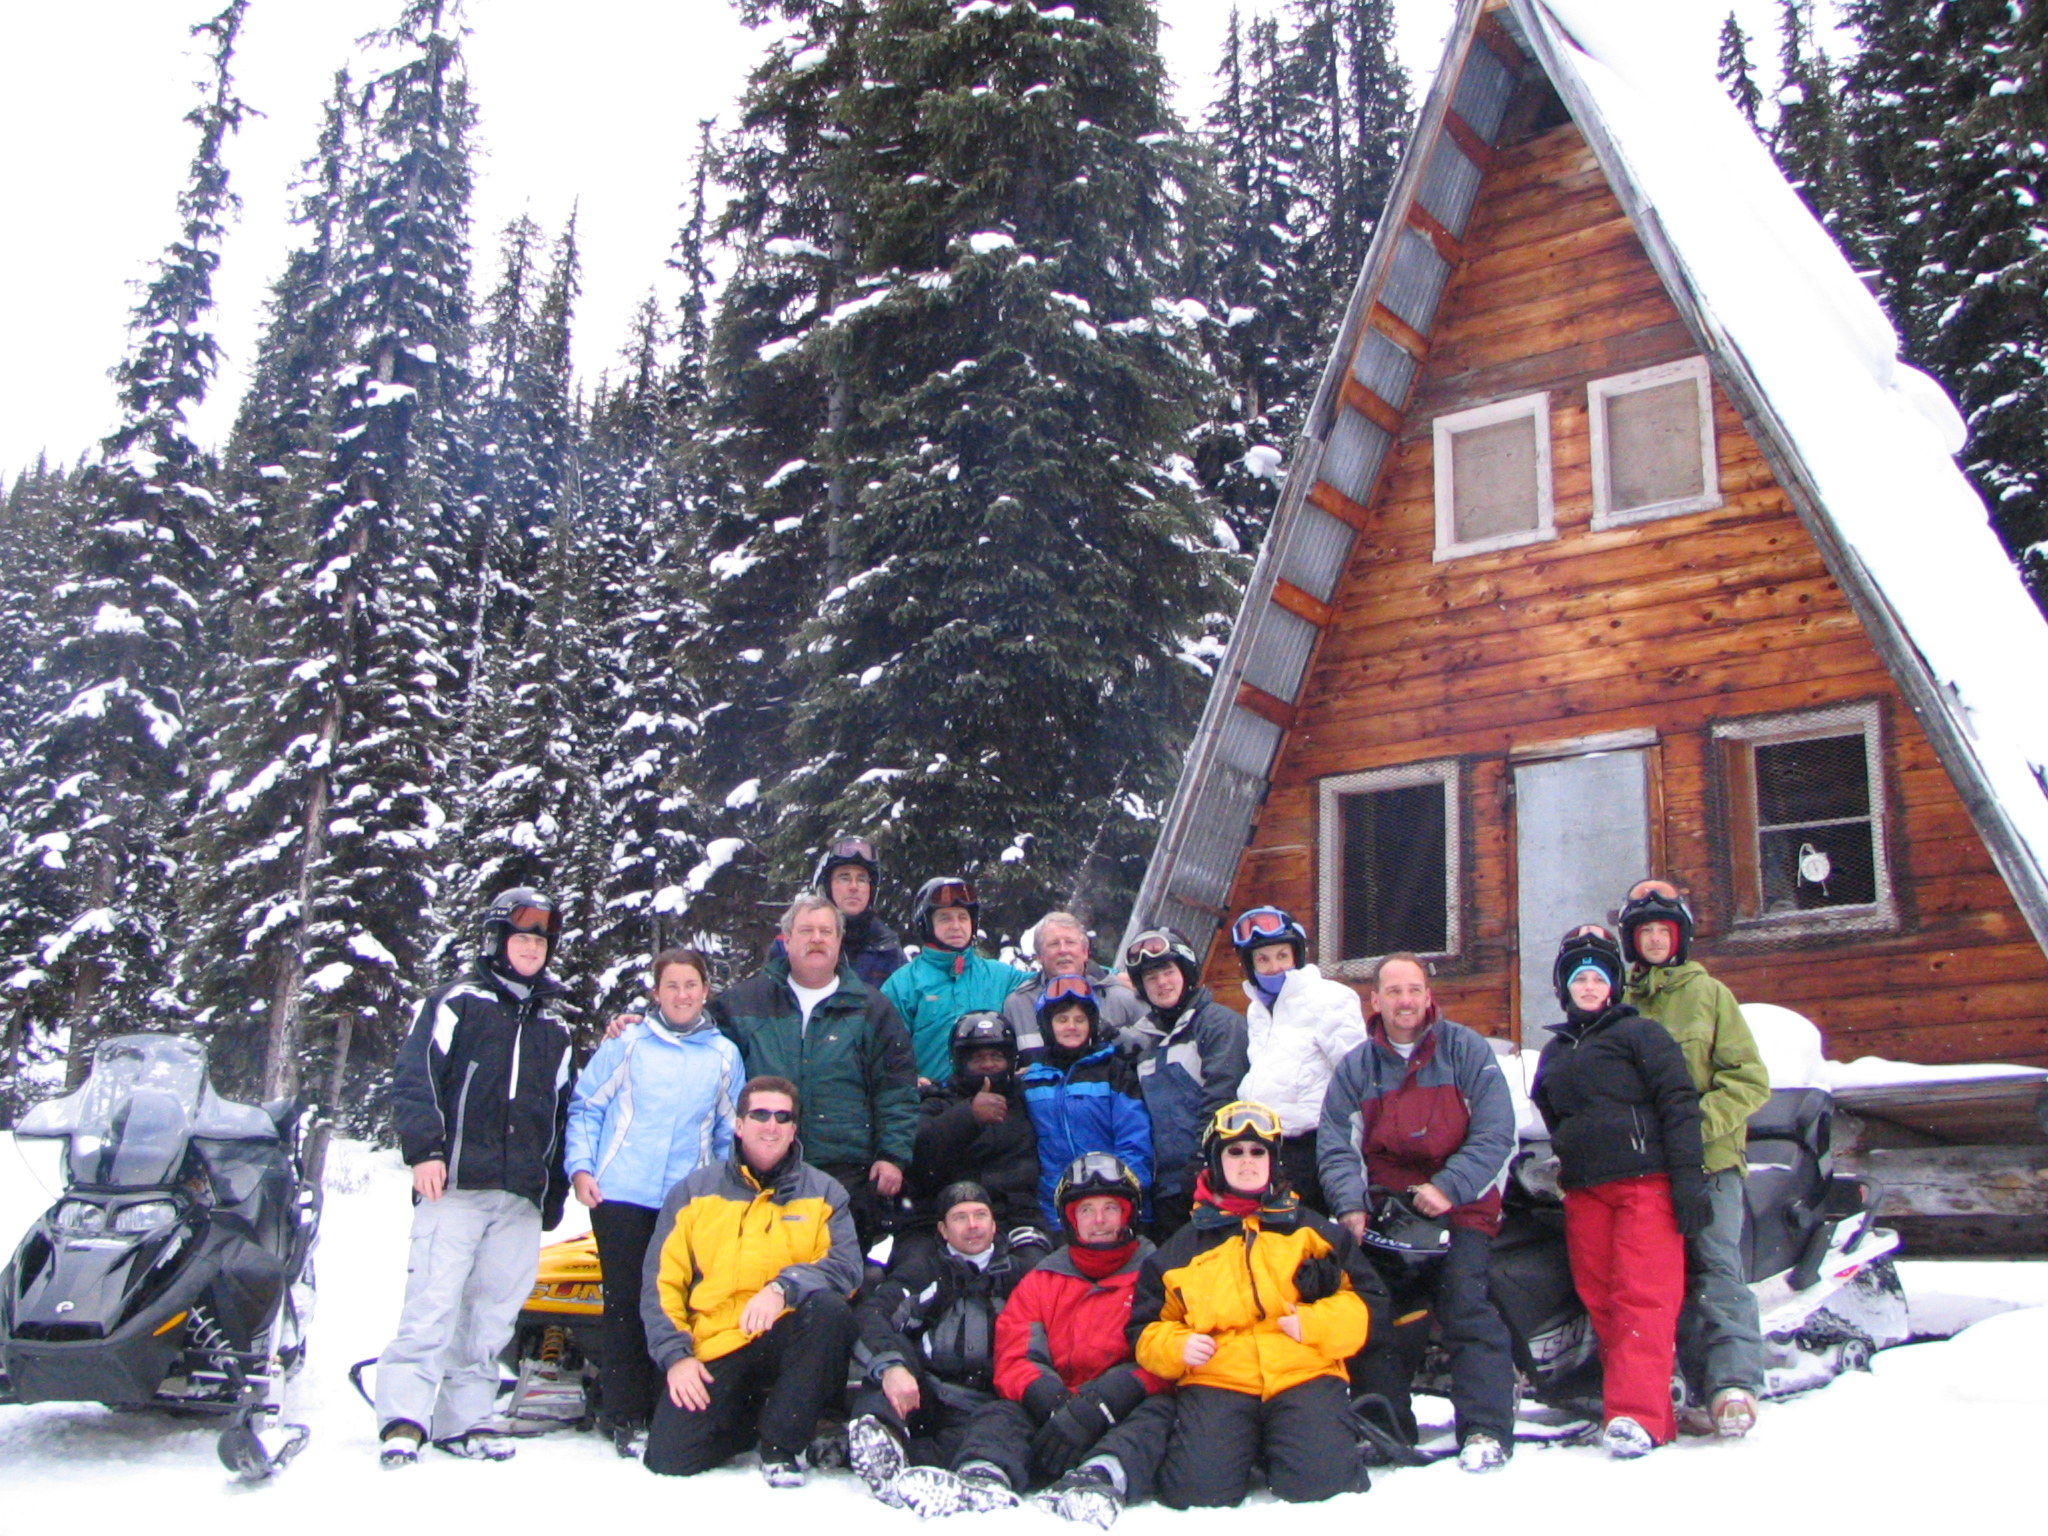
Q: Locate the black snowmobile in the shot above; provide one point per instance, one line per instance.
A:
(176, 1270)
(1827, 1291)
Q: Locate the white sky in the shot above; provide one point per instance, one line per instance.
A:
(596, 102)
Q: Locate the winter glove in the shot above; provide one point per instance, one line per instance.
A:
(1044, 1397)
(1065, 1439)
(1689, 1201)
(1317, 1279)
(1119, 1390)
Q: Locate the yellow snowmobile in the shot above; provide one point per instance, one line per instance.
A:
(558, 1342)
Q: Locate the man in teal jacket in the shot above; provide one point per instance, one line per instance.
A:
(946, 978)
(807, 1017)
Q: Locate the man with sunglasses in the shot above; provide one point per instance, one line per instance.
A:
(746, 1299)
(1060, 945)
(1720, 1340)
(1190, 1057)
(481, 1102)
(947, 979)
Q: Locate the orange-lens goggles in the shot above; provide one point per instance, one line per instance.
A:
(1260, 923)
(1061, 988)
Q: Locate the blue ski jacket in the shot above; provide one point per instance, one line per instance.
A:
(1089, 1105)
(652, 1107)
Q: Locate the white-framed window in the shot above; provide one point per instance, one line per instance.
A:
(1389, 855)
(1493, 477)
(1653, 443)
(1807, 844)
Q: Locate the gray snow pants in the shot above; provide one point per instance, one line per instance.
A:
(473, 1258)
(1719, 1337)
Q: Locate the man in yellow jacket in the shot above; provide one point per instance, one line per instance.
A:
(745, 1299)
(1252, 1310)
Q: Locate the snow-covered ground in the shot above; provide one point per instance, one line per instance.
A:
(1935, 1432)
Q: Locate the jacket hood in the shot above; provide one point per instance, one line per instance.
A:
(1652, 979)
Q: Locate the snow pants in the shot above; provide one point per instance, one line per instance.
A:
(628, 1378)
(772, 1390)
(1000, 1435)
(1303, 1437)
(1457, 1290)
(1719, 1335)
(934, 1433)
(1628, 1265)
(473, 1258)
(874, 1215)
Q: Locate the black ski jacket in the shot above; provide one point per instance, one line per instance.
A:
(1618, 1099)
(935, 1313)
(483, 1085)
(953, 1145)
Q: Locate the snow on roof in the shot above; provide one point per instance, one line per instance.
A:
(1871, 438)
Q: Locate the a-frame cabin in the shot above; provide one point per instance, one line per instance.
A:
(1618, 543)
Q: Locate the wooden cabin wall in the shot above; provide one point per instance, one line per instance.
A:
(1671, 624)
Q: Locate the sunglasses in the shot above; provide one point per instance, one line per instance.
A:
(1261, 923)
(771, 1116)
(1062, 987)
(954, 893)
(852, 848)
(1246, 1115)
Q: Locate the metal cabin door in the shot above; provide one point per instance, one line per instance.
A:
(1582, 837)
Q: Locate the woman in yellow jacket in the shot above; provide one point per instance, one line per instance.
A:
(1252, 1310)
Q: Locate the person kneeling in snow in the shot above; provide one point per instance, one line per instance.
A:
(1075, 1414)
(480, 1099)
(1252, 1310)
(927, 1339)
(745, 1299)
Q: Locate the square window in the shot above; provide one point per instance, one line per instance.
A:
(1493, 477)
(1807, 844)
(1653, 443)
(1388, 865)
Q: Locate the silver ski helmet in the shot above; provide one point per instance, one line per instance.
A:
(1156, 948)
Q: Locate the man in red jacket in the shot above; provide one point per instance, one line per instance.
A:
(1076, 1413)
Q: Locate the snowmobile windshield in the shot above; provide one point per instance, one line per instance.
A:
(146, 1097)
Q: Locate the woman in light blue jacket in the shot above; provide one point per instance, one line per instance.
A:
(653, 1105)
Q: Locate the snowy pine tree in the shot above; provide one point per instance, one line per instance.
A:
(1733, 69)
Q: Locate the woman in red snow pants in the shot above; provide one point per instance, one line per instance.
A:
(1625, 1124)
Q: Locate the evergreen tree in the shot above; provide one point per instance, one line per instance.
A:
(96, 796)
(1807, 139)
(1732, 68)
(997, 671)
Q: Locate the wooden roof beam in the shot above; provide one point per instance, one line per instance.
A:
(1399, 331)
(1303, 605)
(1272, 710)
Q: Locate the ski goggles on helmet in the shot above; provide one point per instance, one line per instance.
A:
(1066, 989)
(1158, 944)
(544, 921)
(852, 848)
(1261, 923)
(1663, 889)
(953, 893)
(1247, 1115)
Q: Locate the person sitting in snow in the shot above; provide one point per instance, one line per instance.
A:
(481, 1102)
(1720, 1337)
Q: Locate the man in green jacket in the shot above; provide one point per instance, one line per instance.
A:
(807, 1017)
(946, 978)
(1719, 1325)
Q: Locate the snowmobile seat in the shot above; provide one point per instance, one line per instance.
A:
(284, 1112)
(1787, 1191)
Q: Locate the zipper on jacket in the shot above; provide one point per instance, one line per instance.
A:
(1636, 1121)
(1258, 1303)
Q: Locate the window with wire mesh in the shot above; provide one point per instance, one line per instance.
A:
(1808, 838)
(1394, 849)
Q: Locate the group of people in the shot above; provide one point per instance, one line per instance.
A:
(1084, 1237)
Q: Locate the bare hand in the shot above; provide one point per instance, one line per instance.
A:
(689, 1384)
(1429, 1200)
(900, 1387)
(620, 1023)
(430, 1178)
(1354, 1223)
(990, 1107)
(763, 1310)
(1199, 1350)
(887, 1178)
(1290, 1324)
(588, 1195)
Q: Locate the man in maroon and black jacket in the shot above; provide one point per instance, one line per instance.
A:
(1421, 1112)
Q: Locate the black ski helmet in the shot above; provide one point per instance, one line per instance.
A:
(982, 1030)
(519, 910)
(1068, 992)
(1157, 948)
(1405, 1235)
(1097, 1173)
(1260, 926)
(1655, 901)
(945, 891)
(1587, 945)
(1243, 1120)
(846, 851)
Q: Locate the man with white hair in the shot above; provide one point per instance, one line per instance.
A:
(1060, 944)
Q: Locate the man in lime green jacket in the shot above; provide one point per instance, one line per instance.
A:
(946, 978)
(1720, 1324)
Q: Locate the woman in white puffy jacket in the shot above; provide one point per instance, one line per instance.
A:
(1301, 1024)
